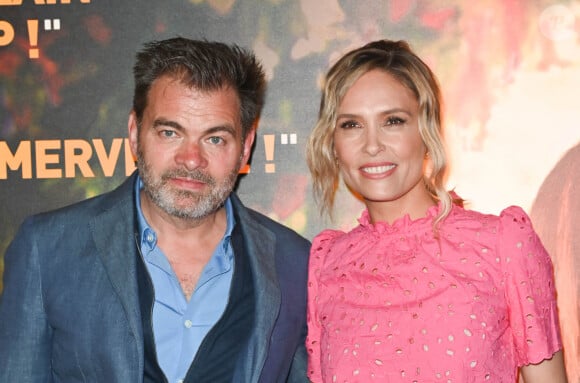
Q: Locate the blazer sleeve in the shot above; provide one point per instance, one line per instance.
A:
(299, 363)
(24, 330)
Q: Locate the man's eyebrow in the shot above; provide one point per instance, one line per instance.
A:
(164, 122)
(160, 122)
(222, 128)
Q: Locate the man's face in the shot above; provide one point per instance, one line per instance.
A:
(189, 148)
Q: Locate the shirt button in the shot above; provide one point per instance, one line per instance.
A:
(180, 381)
(188, 323)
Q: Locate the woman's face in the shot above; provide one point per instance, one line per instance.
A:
(377, 142)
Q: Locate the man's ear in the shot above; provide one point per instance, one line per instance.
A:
(247, 146)
(133, 130)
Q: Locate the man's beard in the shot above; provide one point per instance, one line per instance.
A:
(186, 204)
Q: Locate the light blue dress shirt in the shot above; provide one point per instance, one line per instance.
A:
(179, 326)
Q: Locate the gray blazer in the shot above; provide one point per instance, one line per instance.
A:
(70, 309)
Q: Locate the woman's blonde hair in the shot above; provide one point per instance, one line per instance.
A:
(397, 59)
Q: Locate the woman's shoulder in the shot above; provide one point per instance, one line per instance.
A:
(335, 241)
(508, 217)
(510, 229)
(514, 216)
(326, 237)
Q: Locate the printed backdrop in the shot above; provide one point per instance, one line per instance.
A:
(509, 69)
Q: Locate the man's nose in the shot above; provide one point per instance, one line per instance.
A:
(191, 155)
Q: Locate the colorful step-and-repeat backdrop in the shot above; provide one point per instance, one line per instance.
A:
(509, 70)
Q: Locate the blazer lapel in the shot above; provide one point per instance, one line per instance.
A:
(260, 246)
(114, 236)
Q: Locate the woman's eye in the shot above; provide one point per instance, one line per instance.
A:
(395, 121)
(349, 124)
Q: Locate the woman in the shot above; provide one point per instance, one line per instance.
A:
(421, 290)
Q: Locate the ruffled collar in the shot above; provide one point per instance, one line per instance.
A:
(402, 224)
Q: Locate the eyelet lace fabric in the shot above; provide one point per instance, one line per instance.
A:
(392, 303)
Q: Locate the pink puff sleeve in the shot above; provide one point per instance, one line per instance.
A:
(530, 288)
(321, 245)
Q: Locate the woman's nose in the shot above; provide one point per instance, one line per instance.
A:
(373, 143)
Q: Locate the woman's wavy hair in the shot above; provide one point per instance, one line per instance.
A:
(397, 59)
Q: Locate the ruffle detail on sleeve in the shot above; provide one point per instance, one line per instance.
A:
(530, 288)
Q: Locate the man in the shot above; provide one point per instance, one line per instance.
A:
(168, 278)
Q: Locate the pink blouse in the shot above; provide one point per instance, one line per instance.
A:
(392, 303)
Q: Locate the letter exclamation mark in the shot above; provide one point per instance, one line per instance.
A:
(33, 38)
(245, 169)
(269, 140)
